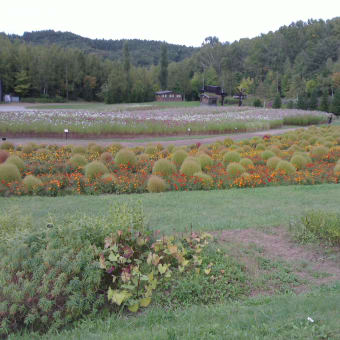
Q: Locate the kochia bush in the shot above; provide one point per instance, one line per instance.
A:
(95, 169)
(9, 173)
(125, 157)
(163, 167)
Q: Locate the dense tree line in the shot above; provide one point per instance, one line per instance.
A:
(299, 64)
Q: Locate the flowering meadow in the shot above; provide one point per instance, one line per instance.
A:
(166, 121)
(305, 156)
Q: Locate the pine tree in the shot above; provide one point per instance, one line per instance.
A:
(313, 101)
(324, 105)
(127, 67)
(302, 102)
(23, 84)
(277, 102)
(335, 108)
(163, 75)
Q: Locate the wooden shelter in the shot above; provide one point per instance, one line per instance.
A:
(210, 95)
(168, 96)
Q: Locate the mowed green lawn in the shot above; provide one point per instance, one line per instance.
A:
(263, 317)
(203, 210)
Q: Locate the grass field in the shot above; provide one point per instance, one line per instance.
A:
(211, 210)
(262, 317)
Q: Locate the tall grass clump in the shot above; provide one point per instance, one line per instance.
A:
(178, 157)
(163, 167)
(17, 161)
(9, 173)
(95, 169)
(189, 167)
(156, 184)
(235, 170)
(231, 156)
(287, 167)
(125, 157)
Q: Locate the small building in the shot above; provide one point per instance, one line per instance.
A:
(168, 96)
(208, 99)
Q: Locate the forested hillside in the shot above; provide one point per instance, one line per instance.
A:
(297, 61)
(142, 52)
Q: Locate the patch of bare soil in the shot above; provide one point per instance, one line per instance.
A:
(312, 265)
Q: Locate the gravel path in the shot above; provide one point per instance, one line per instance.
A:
(163, 140)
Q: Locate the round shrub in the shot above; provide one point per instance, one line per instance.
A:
(95, 148)
(246, 163)
(3, 156)
(79, 149)
(125, 157)
(6, 146)
(163, 167)
(114, 148)
(206, 161)
(299, 162)
(95, 169)
(228, 141)
(265, 155)
(260, 147)
(189, 167)
(206, 180)
(178, 157)
(17, 161)
(31, 183)
(143, 157)
(28, 148)
(319, 152)
(231, 156)
(246, 148)
(273, 162)
(77, 161)
(156, 184)
(170, 147)
(151, 149)
(9, 173)
(235, 170)
(337, 169)
(106, 157)
(287, 167)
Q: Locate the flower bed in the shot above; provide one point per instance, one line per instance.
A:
(316, 149)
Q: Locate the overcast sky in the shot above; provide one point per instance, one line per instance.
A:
(184, 22)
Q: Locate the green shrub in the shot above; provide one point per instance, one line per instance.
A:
(95, 170)
(50, 278)
(265, 155)
(28, 149)
(32, 183)
(95, 148)
(170, 147)
(246, 163)
(299, 162)
(143, 157)
(3, 156)
(260, 147)
(125, 157)
(337, 169)
(78, 149)
(17, 161)
(273, 162)
(189, 167)
(206, 161)
(151, 149)
(156, 184)
(163, 167)
(77, 161)
(257, 103)
(319, 152)
(205, 180)
(231, 156)
(235, 170)
(6, 146)
(286, 166)
(106, 157)
(178, 157)
(109, 178)
(228, 142)
(9, 173)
